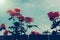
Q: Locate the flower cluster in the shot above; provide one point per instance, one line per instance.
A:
(3, 26)
(53, 15)
(28, 19)
(16, 13)
(35, 33)
(6, 32)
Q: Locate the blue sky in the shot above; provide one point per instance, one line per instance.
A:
(36, 9)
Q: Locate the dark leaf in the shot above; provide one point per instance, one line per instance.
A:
(55, 25)
(17, 24)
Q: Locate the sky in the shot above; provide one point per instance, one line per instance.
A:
(36, 9)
